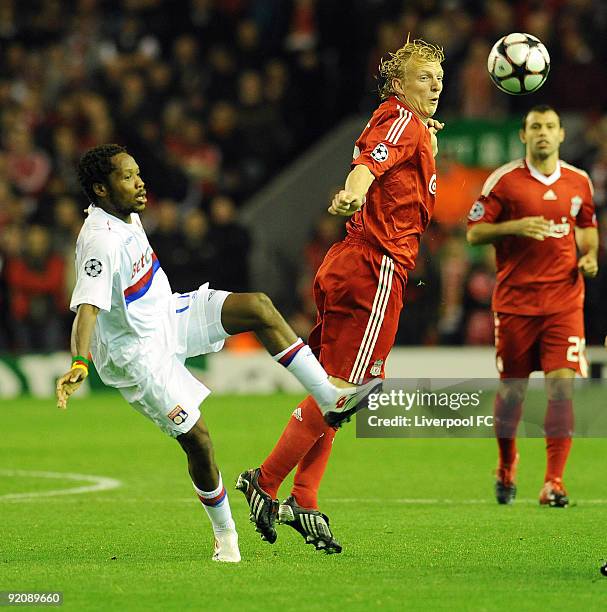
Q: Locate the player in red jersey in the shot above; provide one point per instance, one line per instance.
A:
(389, 195)
(536, 211)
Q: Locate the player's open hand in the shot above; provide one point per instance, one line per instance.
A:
(537, 228)
(588, 265)
(345, 203)
(67, 384)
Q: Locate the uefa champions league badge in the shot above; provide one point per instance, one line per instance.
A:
(93, 268)
(477, 211)
(178, 415)
(380, 153)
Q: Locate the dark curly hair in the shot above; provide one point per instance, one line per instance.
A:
(95, 166)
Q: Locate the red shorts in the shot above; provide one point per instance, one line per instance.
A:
(525, 344)
(359, 295)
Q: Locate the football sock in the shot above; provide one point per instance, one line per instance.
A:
(506, 420)
(304, 428)
(301, 362)
(558, 426)
(217, 506)
(311, 469)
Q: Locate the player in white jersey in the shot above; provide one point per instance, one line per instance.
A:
(139, 333)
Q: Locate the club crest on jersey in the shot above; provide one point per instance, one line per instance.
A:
(376, 367)
(93, 268)
(432, 185)
(178, 415)
(356, 152)
(576, 204)
(559, 230)
(380, 153)
(477, 211)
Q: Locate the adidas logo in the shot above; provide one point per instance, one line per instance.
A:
(549, 195)
(297, 414)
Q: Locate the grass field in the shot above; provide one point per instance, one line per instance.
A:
(417, 519)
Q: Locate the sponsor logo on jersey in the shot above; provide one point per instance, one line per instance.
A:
(432, 185)
(549, 195)
(142, 262)
(559, 230)
(576, 204)
(178, 415)
(93, 268)
(141, 287)
(380, 153)
(376, 367)
(477, 211)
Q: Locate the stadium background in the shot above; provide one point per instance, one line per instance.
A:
(222, 101)
(242, 115)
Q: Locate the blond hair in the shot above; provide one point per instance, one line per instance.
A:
(394, 66)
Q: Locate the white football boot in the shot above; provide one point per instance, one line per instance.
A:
(226, 547)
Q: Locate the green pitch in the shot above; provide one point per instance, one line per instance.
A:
(417, 519)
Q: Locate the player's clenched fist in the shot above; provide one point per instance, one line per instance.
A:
(345, 203)
(537, 228)
(433, 127)
(588, 265)
(67, 384)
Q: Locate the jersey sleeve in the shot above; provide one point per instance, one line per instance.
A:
(392, 139)
(489, 206)
(96, 263)
(586, 216)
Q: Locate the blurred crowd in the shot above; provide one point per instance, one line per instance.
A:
(214, 97)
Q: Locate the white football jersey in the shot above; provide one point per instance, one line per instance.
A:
(118, 272)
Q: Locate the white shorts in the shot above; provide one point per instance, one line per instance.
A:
(171, 396)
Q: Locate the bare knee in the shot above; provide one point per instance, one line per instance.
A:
(512, 394)
(263, 311)
(560, 387)
(197, 441)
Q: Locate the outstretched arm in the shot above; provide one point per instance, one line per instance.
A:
(351, 198)
(82, 330)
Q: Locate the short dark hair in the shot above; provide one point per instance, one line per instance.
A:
(539, 108)
(95, 166)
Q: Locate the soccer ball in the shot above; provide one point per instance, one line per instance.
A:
(518, 64)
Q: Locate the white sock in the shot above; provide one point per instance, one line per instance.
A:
(217, 506)
(301, 362)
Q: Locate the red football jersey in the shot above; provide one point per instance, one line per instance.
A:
(537, 277)
(395, 146)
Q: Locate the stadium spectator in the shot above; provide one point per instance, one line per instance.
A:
(36, 286)
(194, 255)
(28, 167)
(232, 244)
(166, 236)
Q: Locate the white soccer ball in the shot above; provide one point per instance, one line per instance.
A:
(518, 64)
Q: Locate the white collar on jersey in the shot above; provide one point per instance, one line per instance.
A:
(542, 178)
(93, 208)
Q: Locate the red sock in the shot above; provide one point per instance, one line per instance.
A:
(301, 433)
(558, 426)
(506, 420)
(310, 471)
